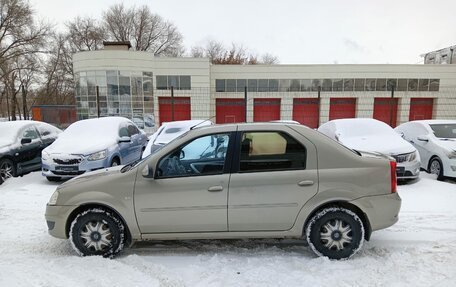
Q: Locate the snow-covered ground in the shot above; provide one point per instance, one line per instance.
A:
(420, 250)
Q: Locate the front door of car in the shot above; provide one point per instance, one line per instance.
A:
(189, 190)
(135, 144)
(29, 152)
(274, 175)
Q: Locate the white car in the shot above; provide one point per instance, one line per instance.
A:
(435, 140)
(370, 135)
(169, 131)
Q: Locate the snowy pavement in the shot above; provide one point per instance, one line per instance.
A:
(420, 250)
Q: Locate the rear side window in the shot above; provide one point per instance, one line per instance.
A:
(271, 151)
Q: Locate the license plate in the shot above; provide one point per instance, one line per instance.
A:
(400, 170)
(66, 168)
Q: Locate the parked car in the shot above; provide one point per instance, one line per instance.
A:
(169, 131)
(436, 142)
(371, 135)
(21, 143)
(250, 180)
(93, 144)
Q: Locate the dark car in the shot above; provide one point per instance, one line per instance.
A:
(21, 143)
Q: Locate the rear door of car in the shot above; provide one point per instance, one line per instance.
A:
(274, 173)
(189, 191)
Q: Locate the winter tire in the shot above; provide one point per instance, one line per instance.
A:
(7, 169)
(97, 232)
(335, 232)
(115, 162)
(436, 167)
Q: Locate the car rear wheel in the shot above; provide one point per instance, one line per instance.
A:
(335, 232)
(97, 232)
(7, 169)
(436, 167)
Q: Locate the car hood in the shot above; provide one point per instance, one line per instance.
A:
(5, 146)
(384, 144)
(75, 146)
(449, 144)
(97, 174)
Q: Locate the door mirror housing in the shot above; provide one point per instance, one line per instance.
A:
(26, 141)
(423, 138)
(148, 172)
(125, 139)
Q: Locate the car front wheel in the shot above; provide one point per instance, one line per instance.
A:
(335, 232)
(436, 167)
(7, 169)
(97, 232)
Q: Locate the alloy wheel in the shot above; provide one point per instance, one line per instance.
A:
(96, 235)
(336, 234)
(6, 170)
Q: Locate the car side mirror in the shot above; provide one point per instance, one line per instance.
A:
(125, 139)
(423, 138)
(402, 135)
(148, 172)
(26, 141)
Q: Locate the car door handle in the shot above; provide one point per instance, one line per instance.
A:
(215, 188)
(305, 183)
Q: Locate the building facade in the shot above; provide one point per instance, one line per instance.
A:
(149, 89)
(441, 57)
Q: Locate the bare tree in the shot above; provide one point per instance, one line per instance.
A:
(235, 55)
(145, 30)
(21, 36)
(84, 34)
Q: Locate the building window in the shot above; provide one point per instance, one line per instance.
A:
(413, 85)
(252, 85)
(370, 84)
(263, 85)
(424, 85)
(219, 85)
(185, 83)
(295, 86)
(348, 84)
(177, 82)
(284, 85)
(315, 84)
(327, 85)
(240, 85)
(434, 85)
(381, 85)
(338, 85)
(306, 85)
(401, 85)
(230, 85)
(162, 82)
(273, 85)
(391, 84)
(359, 84)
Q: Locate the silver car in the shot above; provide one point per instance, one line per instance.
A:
(265, 180)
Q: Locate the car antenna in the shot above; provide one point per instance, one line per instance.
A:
(208, 119)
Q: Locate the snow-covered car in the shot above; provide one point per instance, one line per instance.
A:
(21, 143)
(169, 131)
(93, 144)
(370, 135)
(435, 140)
(259, 180)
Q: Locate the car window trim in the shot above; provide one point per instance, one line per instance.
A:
(228, 157)
(236, 164)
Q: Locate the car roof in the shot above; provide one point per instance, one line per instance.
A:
(435, 122)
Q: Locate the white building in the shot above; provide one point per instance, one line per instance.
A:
(138, 85)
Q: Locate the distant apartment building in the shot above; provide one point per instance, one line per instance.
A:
(442, 56)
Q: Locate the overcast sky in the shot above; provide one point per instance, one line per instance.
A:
(298, 32)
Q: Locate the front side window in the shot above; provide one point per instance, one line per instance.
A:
(202, 156)
(271, 151)
(30, 133)
(444, 130)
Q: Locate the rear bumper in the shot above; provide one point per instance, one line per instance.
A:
(382, 210)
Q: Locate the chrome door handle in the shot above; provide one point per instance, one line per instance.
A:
(215, 188)
(305, 183)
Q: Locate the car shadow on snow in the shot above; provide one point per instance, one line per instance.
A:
(226, 246)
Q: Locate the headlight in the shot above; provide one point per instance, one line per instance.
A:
(44, 155)
(412, 156)
(451, 154)
(97, 155)
(54, 197)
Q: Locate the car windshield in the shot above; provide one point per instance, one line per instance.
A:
(447, 131)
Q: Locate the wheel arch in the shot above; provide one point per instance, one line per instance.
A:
(430, 160)
(347, 205)
(87, 206)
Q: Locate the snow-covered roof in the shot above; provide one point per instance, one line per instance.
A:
(436, 122)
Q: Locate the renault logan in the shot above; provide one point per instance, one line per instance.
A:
(264, 180)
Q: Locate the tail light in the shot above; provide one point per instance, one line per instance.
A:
(393, 176)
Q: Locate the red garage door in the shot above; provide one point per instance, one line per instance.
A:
(229, 111)
(306, 111)
(181, 109)
(265, 110)
(342, 108)
(383, 108)
(421, 109)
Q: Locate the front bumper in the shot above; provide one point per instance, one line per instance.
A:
(70, 169)
(382, 210)
(56, 219)
(408, 170)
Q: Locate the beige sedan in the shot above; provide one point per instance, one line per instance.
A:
(264, 180)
